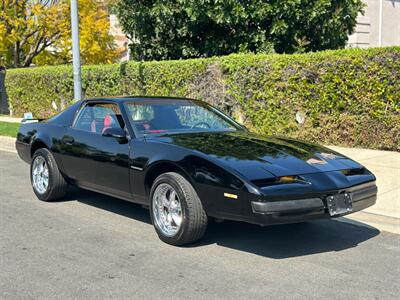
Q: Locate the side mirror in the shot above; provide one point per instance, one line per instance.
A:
(116, 133)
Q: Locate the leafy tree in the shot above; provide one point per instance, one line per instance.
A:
(176, 29)
(28, 28)
(97, 45)
(40, 32)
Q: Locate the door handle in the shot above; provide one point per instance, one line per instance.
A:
(69, 140)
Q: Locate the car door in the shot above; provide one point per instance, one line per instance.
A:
(95, 161)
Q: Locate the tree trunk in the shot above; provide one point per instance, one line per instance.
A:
(16, 55)
(4, 109)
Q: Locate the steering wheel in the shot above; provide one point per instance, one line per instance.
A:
(201, 123)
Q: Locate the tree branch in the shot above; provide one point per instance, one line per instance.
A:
(41, 44)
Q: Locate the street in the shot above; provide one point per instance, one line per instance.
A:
(91, 246)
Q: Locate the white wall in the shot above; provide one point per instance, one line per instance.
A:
(368, 25)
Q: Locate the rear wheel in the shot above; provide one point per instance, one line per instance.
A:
(176, 210)
(47, 181)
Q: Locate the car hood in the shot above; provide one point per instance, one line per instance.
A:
(259, 157)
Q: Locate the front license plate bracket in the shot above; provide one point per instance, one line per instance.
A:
(339, 204)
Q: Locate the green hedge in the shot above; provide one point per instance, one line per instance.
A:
(349, 97)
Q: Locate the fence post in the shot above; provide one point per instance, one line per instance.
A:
(4, 109)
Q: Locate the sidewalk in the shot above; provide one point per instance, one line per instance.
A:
(386, 167)
(9, 119)
(384, 215)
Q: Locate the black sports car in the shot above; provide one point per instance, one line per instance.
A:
(188, 162)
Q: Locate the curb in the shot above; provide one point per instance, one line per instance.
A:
(381, 222)
(7, 144)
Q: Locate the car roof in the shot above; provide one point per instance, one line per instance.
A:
(137, 98)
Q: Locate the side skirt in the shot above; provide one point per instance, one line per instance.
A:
(133, 199)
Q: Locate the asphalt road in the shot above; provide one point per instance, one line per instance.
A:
(94, 247)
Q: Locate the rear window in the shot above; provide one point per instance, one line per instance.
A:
(66, 117)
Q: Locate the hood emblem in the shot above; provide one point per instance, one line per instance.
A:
(316, 161)
(329, 155)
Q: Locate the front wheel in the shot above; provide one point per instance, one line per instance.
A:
(176, 210)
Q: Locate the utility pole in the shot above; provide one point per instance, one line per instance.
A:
(76, 56)
(380, 23)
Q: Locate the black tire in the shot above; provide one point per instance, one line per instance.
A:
(194, 218)
(57, 186)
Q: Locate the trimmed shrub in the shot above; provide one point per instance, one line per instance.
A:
(347, 97)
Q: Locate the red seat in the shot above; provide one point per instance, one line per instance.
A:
(107, 122)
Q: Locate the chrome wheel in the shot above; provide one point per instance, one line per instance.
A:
(40, 175)
(167, 209)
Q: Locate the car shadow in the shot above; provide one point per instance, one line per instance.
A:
(108, 203)
(277, 241)
(291, 240)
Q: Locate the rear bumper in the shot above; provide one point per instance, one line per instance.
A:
(23, 150)
(291, 211)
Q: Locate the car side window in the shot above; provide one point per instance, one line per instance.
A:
(98, 117)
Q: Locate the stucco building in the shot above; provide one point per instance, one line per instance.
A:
(379, 26)
(120, 39)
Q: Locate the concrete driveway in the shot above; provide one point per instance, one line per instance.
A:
(94, 247)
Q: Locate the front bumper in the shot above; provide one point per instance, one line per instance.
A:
(297, 210)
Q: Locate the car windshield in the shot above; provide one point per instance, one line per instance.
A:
(174, 116)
